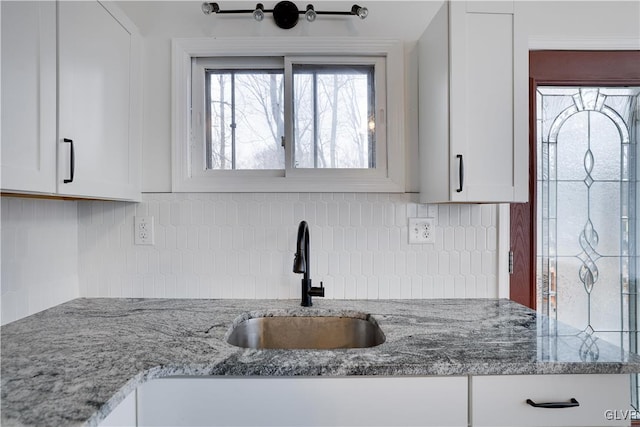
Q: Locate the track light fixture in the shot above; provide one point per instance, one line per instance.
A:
(360, 12)
(258, 14)
(310, 14)
(286, 13)
(209, 8)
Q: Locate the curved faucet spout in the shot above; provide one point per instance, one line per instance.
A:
(302, 264)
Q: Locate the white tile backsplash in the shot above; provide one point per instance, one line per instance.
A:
(39, 255)
(241, 246)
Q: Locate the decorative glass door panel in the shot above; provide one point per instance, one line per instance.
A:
(587, 211)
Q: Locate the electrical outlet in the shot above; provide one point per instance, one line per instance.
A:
(143, 230)
(421, 230)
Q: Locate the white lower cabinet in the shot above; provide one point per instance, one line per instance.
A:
(362, 401)
(502, 400)
(124, 414)
(478, 401)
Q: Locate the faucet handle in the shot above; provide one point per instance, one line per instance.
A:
(317, 291)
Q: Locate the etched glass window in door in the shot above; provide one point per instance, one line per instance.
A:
(588, 211)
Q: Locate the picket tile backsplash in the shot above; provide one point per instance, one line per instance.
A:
(39, 255)
(241, 245)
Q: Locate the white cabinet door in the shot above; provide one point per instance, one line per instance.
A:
(479, 152)
(125, 414)
(28, 96)
(96, 104)
(361, 401)
(502, 400)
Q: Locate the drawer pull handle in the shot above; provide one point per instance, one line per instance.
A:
(554, 405)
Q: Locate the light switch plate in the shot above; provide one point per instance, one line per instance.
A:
(421, 231)
(143, 233)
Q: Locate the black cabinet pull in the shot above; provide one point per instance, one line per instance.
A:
(461, 172)
(72, 163)
(554, 405)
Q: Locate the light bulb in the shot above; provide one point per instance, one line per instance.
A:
(209, 8)
(310, 15)
(258, 14)
(360, 12)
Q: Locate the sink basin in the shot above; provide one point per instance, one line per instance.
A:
(306, 332)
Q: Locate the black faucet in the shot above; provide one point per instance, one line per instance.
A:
(301, 264)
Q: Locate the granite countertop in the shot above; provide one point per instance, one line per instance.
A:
(71, 364)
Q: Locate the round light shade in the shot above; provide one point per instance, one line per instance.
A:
(286, 14)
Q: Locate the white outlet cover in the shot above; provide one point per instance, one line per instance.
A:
(421, 230)
(143, 232)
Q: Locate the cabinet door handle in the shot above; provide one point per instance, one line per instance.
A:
(554, 405)
(72, 166)
(460, 172)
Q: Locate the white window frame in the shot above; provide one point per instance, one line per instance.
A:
(390, 117)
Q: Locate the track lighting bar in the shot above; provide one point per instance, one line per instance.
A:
(285, 13)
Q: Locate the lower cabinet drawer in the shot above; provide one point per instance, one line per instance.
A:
(295, 401)
(604, 400)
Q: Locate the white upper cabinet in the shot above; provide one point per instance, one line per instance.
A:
(28, 96)
(473, 105)
(96, 103)
(95, 151)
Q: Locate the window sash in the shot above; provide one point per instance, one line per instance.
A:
(318, 70)
(209, 141)
(200, 134)
(328, 63)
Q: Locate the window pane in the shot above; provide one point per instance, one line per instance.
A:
(304, 128)
(219, 135)
(334, 122)
(247, 115)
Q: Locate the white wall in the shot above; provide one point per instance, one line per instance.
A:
(400, 20)
(575, 21)
(39, 255)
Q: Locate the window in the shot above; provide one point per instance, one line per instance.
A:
(334, 116)
(287, 121)
(243, 119)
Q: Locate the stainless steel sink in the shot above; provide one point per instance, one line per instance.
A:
(306, 332)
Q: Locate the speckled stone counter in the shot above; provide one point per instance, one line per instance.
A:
(70, 365)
